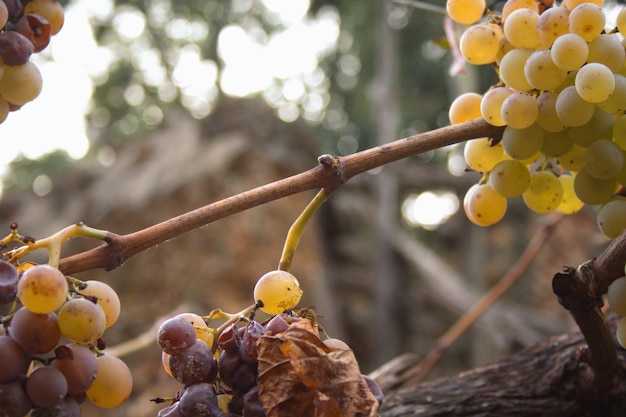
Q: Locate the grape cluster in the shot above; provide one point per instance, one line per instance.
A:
(219, 369)
(25, 28)
(50, 344)
(561, 100)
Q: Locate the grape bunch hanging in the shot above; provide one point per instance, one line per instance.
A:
(561, 99)
(25, 28)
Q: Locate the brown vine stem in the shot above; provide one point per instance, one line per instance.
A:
(331, 173)
(498, 290)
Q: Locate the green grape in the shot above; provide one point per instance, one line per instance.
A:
(556, 144)
(545, 192)
(519, 110)
(541, 71)
(509, 178)
(465, 12)
(113, 383)
(574, 159)
(81, 320)
(464, 108)
(483, 206)
(587, 20)
(21, 83)
(547, 117)
(520, 28)
(616, 296)
(552, 23)
(569, 51)
(619, 131)
(604, 159)
(107, 299)
(600, 126)
(595, 82)
(491, 105)
(620, 333)
(277, 291)
(616, 102)
(572, 109)
(611, 217)
(512, 69)
(480, 44)
(480, 155)
(522, 143)
(592, 190)
(42, 289)
(570, 203)
(607, 49)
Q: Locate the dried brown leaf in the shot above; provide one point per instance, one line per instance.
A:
(300, 376)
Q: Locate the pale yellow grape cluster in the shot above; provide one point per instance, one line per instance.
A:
(561, 100)
(616, 296)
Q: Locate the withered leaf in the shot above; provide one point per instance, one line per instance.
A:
(300, 376)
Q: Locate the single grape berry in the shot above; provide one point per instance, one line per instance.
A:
(195, 365)
(277, 291)
(8, 282)
(176, 335)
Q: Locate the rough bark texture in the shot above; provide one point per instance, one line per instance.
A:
(544, 380)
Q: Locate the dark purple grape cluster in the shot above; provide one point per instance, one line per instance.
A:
(226, 387)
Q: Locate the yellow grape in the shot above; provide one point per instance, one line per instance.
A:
(165, 362)
(203, 332)
(491, 105)
(572, 109)
(620, 333)
(512, 69)
(616, 102)
(107, 299)
(277, 291)
(483, 206)
(509, 178)
(520, 28)
(480, 155)
(570, 4)
(616, 296)
(81, 320)
(547, 118)
(465, 12)
(619, 131)
(552, 23)
(42, 289)
(541, 71)
(113, 383)
(512, 5)
(544, 193)
(600, 126)
(611, 217)
(4, 14)
(464, 108)
(604, 159)
(570, 203)
(595, 82)
(480, 44)
(621, 20)
(574, 159)
(607, 49)
(522, 143)
(569, 52)
(587, 20)
(556, 144)
(593, 190)
(519, 110)
(4, 106)
(21, 83)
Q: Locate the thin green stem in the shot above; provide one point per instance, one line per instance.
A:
(297, 229)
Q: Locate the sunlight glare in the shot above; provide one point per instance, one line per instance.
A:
(429, 209)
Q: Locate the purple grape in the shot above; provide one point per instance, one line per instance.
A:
(276, 325)
(228, 363)
(244, 376)
(252, 406)
(199, 400)
(229, 338)
(8, 282)
(13, 400)
(15, 48)
(171, 411)
(195, 365)
(374, 388)
(176, 335)
(252, 333)
(68, 407)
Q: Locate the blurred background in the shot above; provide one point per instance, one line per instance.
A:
(153, 108)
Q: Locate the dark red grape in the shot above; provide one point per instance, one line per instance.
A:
(35, 333)
(171, 411)
(46, 386)
(13, 400)
(228, 363)
(276, 325)
(244, 376)
(36, 29)
(12, 359)
(8, 282)
(68, 407)
(252, 406)
(15, 48)
(79, 365)
(176, 335)
(200, 400)
(229, 338)
(15, 9)
(247, 348)
(195, 365)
